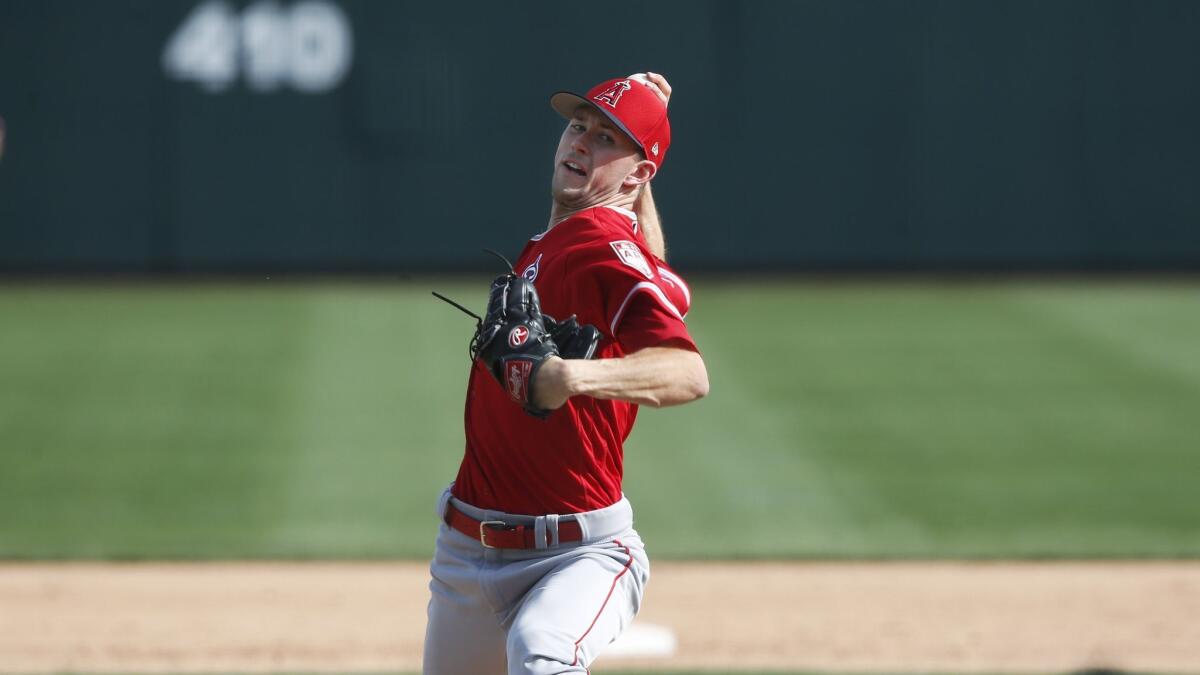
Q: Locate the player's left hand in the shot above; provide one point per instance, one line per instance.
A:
(512, 340)
(516, 342)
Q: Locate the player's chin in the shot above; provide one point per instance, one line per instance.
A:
(567, 194)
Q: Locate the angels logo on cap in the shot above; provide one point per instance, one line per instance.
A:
(641, 115)
(613, 93)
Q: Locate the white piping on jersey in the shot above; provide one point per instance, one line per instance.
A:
(644, 285)
(623, 211)
(671, 277)
(627, 213)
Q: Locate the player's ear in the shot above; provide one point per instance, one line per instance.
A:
(642, 172)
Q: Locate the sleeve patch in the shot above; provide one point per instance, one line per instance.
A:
(629, 254)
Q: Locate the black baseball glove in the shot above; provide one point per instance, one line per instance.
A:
(574, 340)
(514, 339)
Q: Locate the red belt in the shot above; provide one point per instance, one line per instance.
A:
(499, 534)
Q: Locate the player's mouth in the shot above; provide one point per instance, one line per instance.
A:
(574, 168)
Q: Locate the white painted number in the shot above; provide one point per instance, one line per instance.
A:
(205, 47)
(320, 46)
(265, 46)
(309, 47)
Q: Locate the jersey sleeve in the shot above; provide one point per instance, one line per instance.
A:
(622, 289)
(647, 323)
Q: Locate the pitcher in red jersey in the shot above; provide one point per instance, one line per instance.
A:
(537, 566)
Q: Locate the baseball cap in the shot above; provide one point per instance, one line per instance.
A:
(632, 106)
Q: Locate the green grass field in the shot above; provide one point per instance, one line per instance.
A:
(875, 420)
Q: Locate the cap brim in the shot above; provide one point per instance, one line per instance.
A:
(565, 103)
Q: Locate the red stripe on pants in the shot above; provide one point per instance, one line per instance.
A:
(605, 604)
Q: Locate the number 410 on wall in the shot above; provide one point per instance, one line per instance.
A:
(308, 47)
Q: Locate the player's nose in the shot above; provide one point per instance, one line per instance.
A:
(579, 146)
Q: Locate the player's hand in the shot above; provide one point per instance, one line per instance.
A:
(551, 384)
(657, 83)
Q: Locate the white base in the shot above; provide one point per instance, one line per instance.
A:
(642, 640)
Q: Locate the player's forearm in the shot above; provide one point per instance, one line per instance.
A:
(649, 221)
(655, 376)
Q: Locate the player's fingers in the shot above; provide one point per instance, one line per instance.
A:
(663, 96)
(661, 83)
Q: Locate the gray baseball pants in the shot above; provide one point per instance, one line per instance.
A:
(537, 611)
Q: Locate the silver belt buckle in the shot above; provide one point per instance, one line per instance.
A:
(483, 530)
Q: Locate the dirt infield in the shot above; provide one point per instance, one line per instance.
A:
(997, 617)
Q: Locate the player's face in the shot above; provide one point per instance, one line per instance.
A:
(594, 161)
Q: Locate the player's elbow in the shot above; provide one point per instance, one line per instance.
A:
(692, 383)
(699, 380)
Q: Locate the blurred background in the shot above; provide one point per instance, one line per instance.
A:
(943, 257)
(354, 136)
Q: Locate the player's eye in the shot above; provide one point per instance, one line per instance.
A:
(606, 138)
(576, 126)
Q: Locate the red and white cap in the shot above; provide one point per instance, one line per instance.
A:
(633, 107)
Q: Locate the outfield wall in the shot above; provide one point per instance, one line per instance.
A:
(192, 135)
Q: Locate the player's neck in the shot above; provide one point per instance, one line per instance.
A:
(560, 212)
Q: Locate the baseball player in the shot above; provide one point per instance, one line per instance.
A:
(537, 566)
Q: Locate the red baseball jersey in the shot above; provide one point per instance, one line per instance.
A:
(597, 266)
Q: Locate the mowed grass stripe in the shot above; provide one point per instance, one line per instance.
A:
(956, 420)
(737, 473)
(846, 420)
(377, 417)
(143, 421)
(228, 421)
